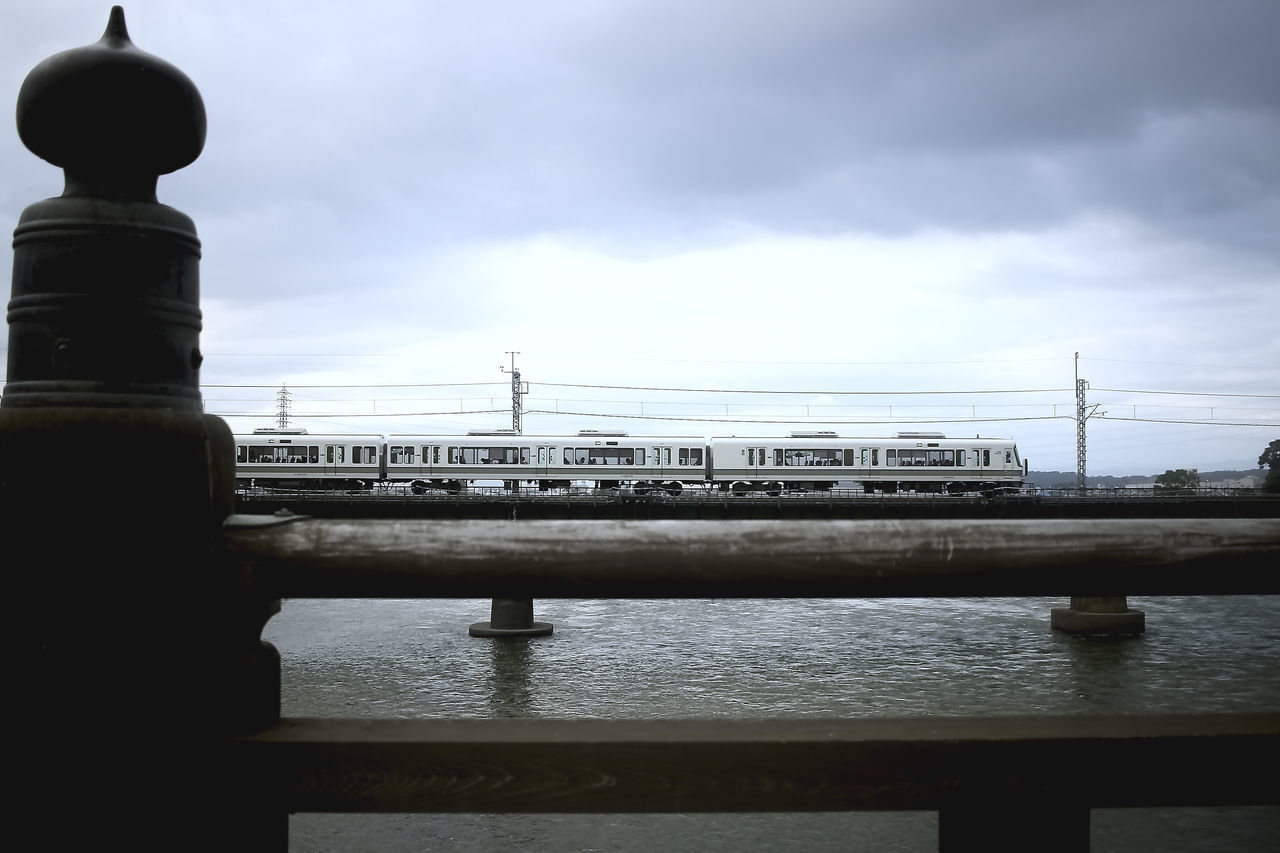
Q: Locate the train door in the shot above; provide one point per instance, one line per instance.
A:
(334, 458)
(981, 460)
(545, 455)
(661, 460)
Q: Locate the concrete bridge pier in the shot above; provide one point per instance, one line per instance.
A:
(511, 617)
(1108, 615)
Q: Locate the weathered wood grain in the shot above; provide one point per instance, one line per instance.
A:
(613, 766)
(753, 559)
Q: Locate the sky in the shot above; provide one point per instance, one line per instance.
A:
(727, 217)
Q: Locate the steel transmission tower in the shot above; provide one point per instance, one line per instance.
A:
(282, 407)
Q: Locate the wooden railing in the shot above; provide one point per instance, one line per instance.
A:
(144, 708)
(995, 781)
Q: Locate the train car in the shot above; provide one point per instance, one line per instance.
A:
(602, 458)
(802, 462)
(294, 459)
(910, 461)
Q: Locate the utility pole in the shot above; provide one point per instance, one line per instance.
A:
(1082, 415)
(1080, 384)
(516, 392)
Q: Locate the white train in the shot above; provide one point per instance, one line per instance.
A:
(801, 461)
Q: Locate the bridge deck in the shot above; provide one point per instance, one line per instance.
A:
(399, 502)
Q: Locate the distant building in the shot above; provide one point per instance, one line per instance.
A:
(1248, 482)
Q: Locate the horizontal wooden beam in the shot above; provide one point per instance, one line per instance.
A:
(755, 559)
(877, 764)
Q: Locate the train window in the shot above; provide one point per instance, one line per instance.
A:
(1008, 456)
(986, 457)
(455, 456)
(639, 455)
(812, 456)
(435, 454)
(607, 455)
(777, 456)
(683, 456)
(241, 455)
(492, 455)
(891, 457)
(909, 457)
(693, 456)
(751, 456)
(666, 456)
(313, 454)
(960, 458)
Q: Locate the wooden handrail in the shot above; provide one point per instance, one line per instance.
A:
(756, 559)
(876, 764)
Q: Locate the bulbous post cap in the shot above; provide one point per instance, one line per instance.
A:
(112, 116)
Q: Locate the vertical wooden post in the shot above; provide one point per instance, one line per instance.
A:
(1010, 824)
(133, 649)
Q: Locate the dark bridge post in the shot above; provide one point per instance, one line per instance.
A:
(132, 650)
(1108, 615)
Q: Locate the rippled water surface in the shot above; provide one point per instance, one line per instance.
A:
(770, 658)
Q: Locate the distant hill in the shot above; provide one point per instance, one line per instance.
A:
(1067, 479)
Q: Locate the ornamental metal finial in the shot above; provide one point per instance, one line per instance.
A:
(105, 308)
(114, 117)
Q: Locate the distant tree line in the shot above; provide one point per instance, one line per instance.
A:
(1270, 458)
(1181, 480)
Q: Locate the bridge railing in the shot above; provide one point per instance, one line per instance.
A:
(995, 781)
(144, 708)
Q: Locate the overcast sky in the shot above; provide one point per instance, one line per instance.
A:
(668, 208)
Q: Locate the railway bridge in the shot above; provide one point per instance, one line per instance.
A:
(589, 503)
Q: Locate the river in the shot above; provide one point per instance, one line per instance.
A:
(771, 658)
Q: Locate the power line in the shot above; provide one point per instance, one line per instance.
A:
(366, 414)
(402, 385)
(1187, 393)
(807, 420)
(827, 393)
(1199, 423)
